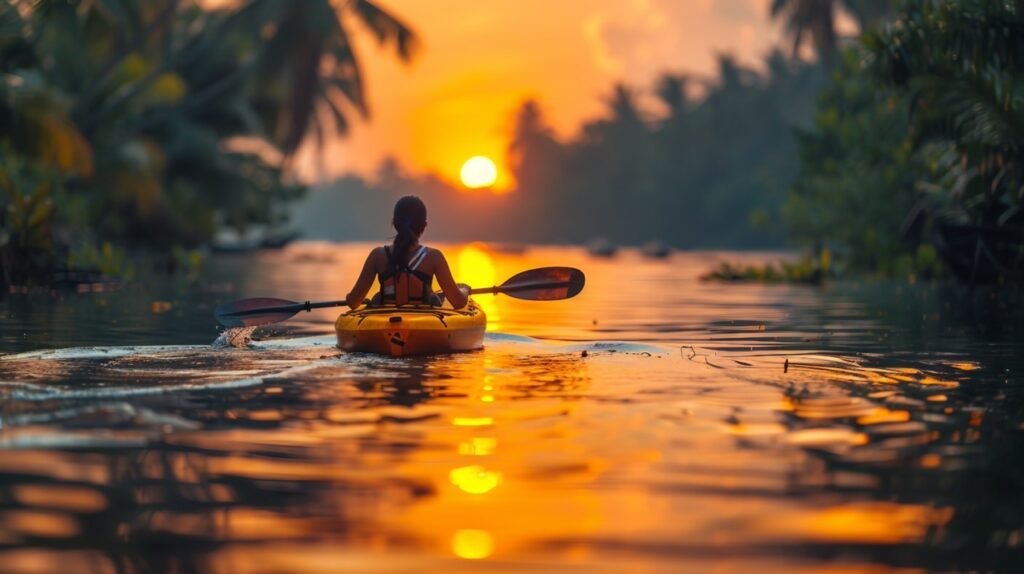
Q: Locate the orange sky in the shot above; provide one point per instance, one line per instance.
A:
(481, 58)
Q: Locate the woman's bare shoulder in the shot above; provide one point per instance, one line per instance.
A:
(378, 256)
(434, 257)
(435, 254)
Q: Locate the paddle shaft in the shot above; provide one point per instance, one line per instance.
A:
(498, 289)
(307, 306)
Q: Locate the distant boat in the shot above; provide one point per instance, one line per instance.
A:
(656, 250)
(601, 247)
(227, 242)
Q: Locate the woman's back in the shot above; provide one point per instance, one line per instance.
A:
(425, 264)
(404, 281)
(406, 269)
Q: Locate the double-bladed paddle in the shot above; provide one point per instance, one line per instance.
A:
(543, 284)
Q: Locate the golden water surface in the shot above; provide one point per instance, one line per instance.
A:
(656, 423)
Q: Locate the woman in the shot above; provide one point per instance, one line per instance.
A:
(406, 269)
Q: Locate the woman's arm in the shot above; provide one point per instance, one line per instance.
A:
(451, 290)
(365, 281)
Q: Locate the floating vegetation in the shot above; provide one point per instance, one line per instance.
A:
(806, 270)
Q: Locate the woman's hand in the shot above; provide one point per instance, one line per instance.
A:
(457, 294)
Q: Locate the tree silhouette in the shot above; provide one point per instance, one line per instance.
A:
(309, 71)
(131, 108)
(814, 21)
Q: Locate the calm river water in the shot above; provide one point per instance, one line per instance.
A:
(855, 427)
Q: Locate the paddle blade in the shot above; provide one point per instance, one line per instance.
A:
(545, 284)
(256, 311)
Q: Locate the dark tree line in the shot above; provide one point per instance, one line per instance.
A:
(710, 167)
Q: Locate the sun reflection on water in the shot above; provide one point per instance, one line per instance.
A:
(475, 267)
(473, 421)
(472, 544)
(478, 446)
(475, 479)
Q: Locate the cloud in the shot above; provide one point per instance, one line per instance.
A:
(625, 37)
(635, 40)
(740, 11)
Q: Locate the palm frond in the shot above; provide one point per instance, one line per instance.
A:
(387, 28)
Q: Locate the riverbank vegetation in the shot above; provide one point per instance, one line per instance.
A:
(916, 149)
(149, 125)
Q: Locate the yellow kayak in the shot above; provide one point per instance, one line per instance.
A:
(405, 330)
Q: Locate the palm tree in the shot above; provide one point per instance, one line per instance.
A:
(815, 21)
(812, 20)
(142, 98)
(530, 134)
(671, 90)
(309, 68)
(536, 158)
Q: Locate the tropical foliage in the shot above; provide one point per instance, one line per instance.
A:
(859, 176)
(920, 129)
(152, 123)
(962, 66)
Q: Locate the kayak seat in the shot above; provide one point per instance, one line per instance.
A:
(436, 300)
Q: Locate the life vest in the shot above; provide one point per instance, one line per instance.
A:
(403, 283)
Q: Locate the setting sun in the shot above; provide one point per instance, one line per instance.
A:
(478, 172)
